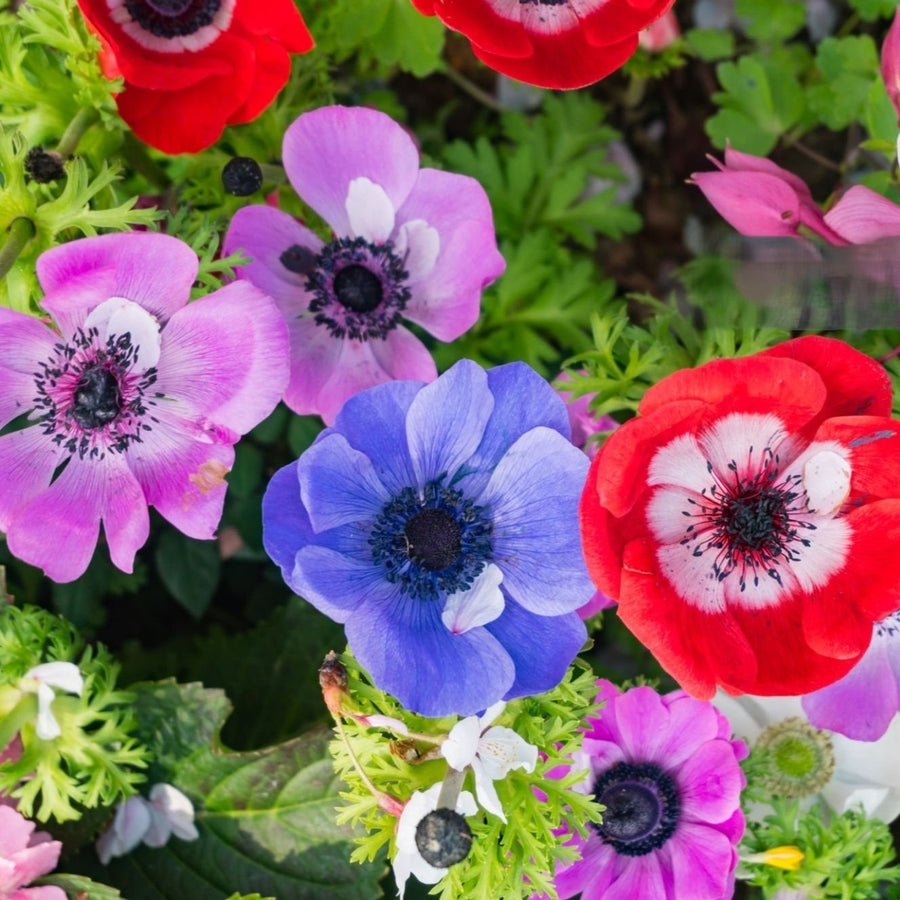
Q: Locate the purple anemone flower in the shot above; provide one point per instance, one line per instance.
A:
(863, 703)
(669, 776)
(439, 524)
(134, 398)
(408, 243)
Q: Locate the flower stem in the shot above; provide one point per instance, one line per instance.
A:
(11, 723)
(21, 231)
(450, 788)
(68, 143)
(385, 801)
(473, 90)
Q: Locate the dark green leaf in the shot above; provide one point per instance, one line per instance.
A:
(189, 569)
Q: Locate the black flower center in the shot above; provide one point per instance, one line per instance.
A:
(444, 838)
(172, 18)
(92, 397)
(642, 807)
(750, 524)
(431, 543)
(433, 539)
(98, 399)
(358, 289)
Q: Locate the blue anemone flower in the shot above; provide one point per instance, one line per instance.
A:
(439, 524)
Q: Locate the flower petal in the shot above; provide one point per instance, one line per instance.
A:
(325, 149)
(369, 210)
(62, 675)
(46, 726)
(480, 604)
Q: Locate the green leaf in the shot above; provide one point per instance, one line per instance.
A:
(710, 44)
(760, 102)
(869, 10)
(849, 67)
(266, 819)
(247, 471)
(189, 569)
(771, 20)
(880, 117)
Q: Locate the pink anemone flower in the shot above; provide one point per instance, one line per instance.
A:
(24, 856)
(134, 398)
(669, 775)
(409, 243)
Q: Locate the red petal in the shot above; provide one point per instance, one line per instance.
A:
(277, 21)
(600, 542)
(857, 385)
(271, 71)
(753, 384)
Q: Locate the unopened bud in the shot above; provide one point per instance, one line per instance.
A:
(443, 837)
(242, 176)
(333, 681)
(44, 166)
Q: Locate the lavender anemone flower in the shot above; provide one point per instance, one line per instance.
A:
(134, 398)
(669, 776)
(439, 524)
(863, 703)
(408, 243)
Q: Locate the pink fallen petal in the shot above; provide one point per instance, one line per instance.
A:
(862, 216)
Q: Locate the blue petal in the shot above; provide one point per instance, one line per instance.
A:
(374, 422)
(523, 400)
(285, 524)
(338, 484)
(337, 583)
(533, 498)
(409, 653)
(542, 647)
(446, 420)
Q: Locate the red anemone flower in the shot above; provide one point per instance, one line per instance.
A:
(748, 520)
(560, 44)
(191, 67)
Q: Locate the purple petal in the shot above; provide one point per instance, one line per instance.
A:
(862, 704)
(153, 270)
(374, 422)
(522, 401)
(635, 721)
(541, 647)
(640, 876)
(446, 302)
(404, 357)
(710, 781)
(225, 357)
(324, 150)
(338, 484)
(24, 342)
(264, 234)
(57, 530)
(28, 459)
(700, 862)
(315, 357)
(446, 421)
(592, 874)
(181, 467)
(533, 498)
(691, 723)
(409, 653)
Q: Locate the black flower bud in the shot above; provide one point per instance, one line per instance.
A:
(444, 838)
(242, 176)
(43, 165)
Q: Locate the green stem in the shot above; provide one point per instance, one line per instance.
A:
(11, 724)
(68, 143)
(135, 154)
(21, 232)
(473, 90)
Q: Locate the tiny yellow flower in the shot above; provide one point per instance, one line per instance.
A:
(786, 857)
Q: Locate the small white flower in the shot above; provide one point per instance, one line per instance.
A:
(491, 752)
(865, 774)
(153, 822)
(408, 861)
(61, 675)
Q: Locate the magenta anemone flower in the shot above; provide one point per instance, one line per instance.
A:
(408, 243)
(669, 776)
(134, 398)
(24, 856)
